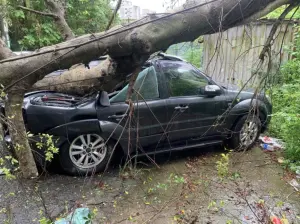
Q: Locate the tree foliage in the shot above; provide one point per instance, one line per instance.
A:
(86, 16)
(29, 31)
(194, 56)
(286, 105)
(189, 51)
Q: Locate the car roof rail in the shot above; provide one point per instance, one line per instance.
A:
(103, 57)
(169, 57)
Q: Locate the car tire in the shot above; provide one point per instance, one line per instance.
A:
(84, 155)
(245, 133)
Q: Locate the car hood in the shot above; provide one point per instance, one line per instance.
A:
(233, 87)
(234, 93)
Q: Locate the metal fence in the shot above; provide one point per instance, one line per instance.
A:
(233, 55)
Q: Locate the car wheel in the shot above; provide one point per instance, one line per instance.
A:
(85, 155)
(245, 133)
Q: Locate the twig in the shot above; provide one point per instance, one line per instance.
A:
(131, 84)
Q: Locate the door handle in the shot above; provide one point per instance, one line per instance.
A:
(117, 117)
(181, 108)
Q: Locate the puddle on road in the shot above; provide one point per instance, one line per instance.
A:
(185, 188)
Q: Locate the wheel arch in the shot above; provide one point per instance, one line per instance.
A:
(244, 107)
(107, 130)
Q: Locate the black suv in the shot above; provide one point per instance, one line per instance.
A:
(176, 107)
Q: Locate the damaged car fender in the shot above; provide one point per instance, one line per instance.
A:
(242, 108)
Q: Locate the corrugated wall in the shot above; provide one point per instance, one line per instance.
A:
(232, 56)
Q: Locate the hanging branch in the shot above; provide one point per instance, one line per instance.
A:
(114, 15)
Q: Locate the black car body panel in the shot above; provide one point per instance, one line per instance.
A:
(161, 122)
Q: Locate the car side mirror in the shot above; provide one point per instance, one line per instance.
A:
(104, 99)
(211, 90)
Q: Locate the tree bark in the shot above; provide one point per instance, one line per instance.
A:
(13, 110)
(4, 51)
(80, 80)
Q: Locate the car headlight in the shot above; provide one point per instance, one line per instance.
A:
(25, 101)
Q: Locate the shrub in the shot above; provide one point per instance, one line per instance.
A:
(286, 106)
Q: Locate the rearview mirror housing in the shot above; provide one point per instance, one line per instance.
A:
(211, 90)
(104, 99)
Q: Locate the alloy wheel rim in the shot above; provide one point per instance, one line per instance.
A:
(248, 133)
(87, 151)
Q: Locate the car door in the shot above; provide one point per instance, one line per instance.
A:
(190, 113)
(149, 118)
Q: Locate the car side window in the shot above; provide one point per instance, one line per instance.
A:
(182, 79)
(146, 85)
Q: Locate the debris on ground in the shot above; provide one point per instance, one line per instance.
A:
(298, 172)
(267, 147)
(252, 191)
(79, 216)
(271, 144)
(295, 184)
(275, 220)
(280, 160)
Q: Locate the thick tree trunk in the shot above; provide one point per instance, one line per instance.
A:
(139, 39)
(80, 80)
(13, 110)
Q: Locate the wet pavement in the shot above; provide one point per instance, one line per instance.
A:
(185, 187)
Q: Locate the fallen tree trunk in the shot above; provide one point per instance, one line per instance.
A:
(138, 40)
(80, 80)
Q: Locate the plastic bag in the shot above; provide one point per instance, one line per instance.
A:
(79, 216)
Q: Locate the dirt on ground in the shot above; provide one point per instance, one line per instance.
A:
(196, 186)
